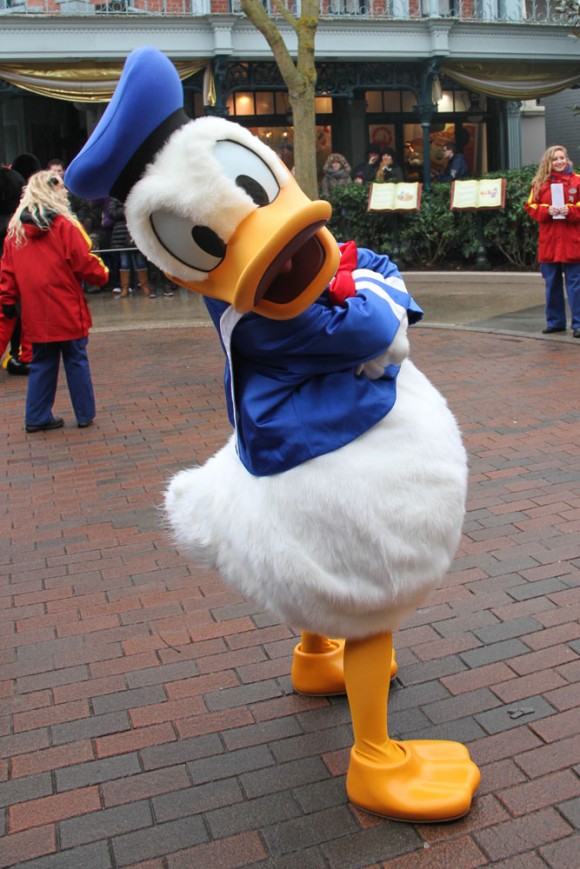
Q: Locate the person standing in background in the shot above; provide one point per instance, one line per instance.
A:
(87, 212)
(26, 165)
(335, 172)
(387, 169)
(47, 254)
(17, 359)
(554, 203)
(110, 257)
(456, 168)
(56, 165)
(130, 258)
(365, 172)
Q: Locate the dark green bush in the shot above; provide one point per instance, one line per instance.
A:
(510, 236)
(435, 236)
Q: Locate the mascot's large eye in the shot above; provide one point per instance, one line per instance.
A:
(196, 246)
(249, 171)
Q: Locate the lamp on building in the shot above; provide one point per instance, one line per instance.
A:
(436, 89)
(474, 110)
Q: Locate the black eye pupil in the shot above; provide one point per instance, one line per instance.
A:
(208, 241)
(253, 188)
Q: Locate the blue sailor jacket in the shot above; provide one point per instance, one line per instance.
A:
(293, 387)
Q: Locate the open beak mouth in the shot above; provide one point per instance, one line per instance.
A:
(293, 269)
(279, 259)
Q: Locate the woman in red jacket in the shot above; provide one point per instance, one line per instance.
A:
(555, 204)
(46, 256)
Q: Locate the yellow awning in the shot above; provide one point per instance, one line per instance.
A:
(83, 81)
(520, 80)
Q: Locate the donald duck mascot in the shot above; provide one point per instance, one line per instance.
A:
(338, 501)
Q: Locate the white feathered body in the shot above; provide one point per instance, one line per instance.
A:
(347, 544)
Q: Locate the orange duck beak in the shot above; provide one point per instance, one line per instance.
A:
(279, 259)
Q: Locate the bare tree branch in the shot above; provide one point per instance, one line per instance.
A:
(283, 10)
(299, 75)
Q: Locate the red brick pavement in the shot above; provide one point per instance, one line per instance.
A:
(148, 716)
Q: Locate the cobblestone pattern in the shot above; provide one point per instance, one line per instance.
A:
(148, 719)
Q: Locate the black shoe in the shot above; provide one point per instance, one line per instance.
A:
(85, 424)
(549, 329)
(576, 333)
(15, 366)
(55, 422)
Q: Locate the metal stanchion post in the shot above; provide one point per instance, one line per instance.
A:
(481, 260)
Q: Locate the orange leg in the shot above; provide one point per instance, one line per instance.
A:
(318, 665)
(418, 780)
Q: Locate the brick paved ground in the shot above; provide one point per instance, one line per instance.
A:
(148, 716)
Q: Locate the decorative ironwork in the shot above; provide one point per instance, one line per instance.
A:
(252, 76)
(345, 79)
(333, 79)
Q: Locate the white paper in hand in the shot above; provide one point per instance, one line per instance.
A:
(558, 199)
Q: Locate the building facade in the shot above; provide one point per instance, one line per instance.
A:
(411, 74)
(562, 121)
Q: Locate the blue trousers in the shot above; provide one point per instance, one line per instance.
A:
(43, 380)
(135, 258)
(554, 275)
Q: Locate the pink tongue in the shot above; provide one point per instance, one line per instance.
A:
(287, 267)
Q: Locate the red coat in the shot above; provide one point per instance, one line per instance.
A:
(45, 274)
(559, 240)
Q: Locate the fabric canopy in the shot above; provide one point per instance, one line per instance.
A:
(81, 82)
(519, 80)
(88, 81)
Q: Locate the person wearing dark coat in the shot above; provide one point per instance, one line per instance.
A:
(456, 168)
(365, 172)
(26, 165)
(129, 256)
(335, 172)
(19, 355)
(388, 170)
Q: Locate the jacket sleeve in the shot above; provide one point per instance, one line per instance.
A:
(325, 338)
(538, 211)
(85, 264)
(573, 215)
(9, 293)
(380, 263)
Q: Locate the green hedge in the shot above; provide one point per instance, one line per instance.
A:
(436, 237)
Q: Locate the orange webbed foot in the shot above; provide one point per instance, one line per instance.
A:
(429, 782)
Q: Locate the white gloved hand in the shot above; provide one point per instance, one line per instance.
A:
(395, 353)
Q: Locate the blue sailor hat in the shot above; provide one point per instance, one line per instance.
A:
(146, 108)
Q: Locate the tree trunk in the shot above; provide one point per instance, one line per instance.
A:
(299, 77)
(305, 143)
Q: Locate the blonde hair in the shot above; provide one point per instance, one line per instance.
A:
(42, 198)
(545, 167)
